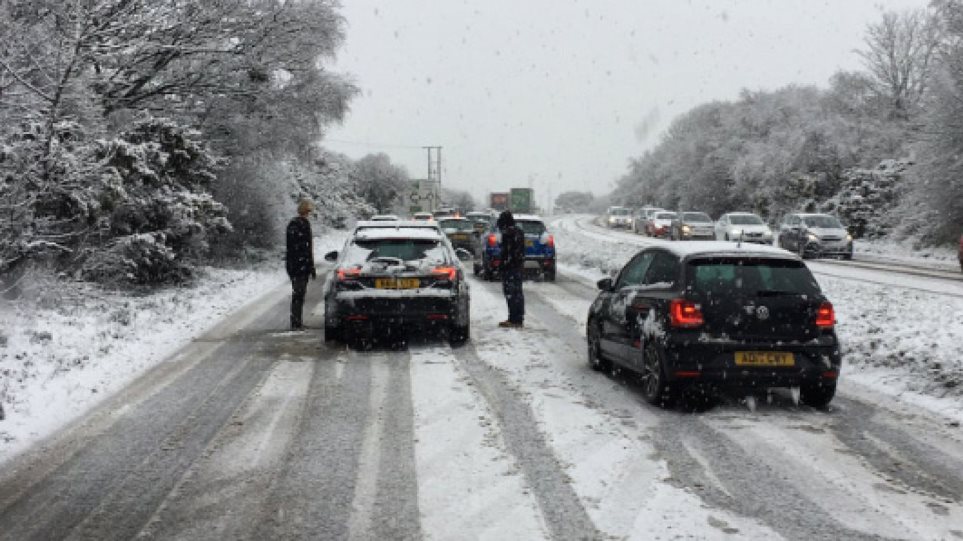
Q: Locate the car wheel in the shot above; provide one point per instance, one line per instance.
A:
(550, 275)
(459, 334)
(802, 250)
(476, 269)
(655, 388)
(817, 395)
(595, 358)
(332, 334)
(727, 237)
(848, 257)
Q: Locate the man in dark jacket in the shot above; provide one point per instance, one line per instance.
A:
(513, 261)
(299, 260)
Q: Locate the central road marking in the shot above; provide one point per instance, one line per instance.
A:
(366, 485)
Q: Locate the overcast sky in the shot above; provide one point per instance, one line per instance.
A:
(561, 93)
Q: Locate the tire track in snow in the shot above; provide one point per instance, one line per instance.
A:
(564, 514)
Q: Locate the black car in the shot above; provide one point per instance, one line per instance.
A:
(395, 280)
(714, 314)
(461, 232)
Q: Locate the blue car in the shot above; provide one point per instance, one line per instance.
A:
(539, 250)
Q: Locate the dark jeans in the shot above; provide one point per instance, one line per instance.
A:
(512, 287)
(299, 285)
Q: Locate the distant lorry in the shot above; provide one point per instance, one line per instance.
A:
(498, 200)
(521, 200)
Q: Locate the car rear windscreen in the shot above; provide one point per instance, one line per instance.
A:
(826, 222)
(364, 250)
(531, 228)
(460, 225)
(750, 277)
(665, 216)
(621, 212)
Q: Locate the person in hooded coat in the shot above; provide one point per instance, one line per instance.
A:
(299, 260)
(513, 262)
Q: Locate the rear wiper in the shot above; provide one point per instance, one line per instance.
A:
(776, 293)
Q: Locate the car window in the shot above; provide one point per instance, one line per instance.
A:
(697, 217)
(664, 269)
(723, 276)
(745, 219)
(827, 222)
(459, 225)
(531, 227)
(634, 270)
(665, 216)
(361, 251)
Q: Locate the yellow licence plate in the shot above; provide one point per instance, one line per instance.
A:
(529, 243)
(459, 236)
(397, 283)
(765, 358)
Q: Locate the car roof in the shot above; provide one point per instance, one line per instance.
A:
(527, 218)
(449, 218)
(690, 249)
(379, 224)
(420, 233)
(740, 214)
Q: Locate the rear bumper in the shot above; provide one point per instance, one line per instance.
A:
(375, 312)
(715, 363)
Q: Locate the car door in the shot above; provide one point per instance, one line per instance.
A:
(658, 283)
(614, 336)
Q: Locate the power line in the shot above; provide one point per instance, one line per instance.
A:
(372, 144)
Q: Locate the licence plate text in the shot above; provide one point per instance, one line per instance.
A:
(765, 358)
(397, 283)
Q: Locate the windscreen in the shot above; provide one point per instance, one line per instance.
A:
(459, 225)
(751, 277)
(404, 249)
(697, 217)
(665, 216)
(745, 219)
(620, 212)
(531, 228)
(825, 222)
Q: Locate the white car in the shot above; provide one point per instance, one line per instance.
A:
(744, 227)
(618, 217)
(384, 218)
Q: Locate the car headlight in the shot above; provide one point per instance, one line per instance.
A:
(737, 232)
(767, 234)
(849, 238)
(812, 237)
(686, 229)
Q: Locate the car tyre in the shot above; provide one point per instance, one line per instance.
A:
(332, 334)
(550, 275)
(818, 394)
(459, 334)
(593, 341)
(655, 387)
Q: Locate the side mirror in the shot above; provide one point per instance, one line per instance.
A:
(464, 255)
(331, 256)
(605, 284)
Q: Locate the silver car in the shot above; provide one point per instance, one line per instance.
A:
(743, 227)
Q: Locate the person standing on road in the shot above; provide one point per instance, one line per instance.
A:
(299, 260)
(513, 261)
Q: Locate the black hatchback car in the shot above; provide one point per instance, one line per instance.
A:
(390, 281)
(716, 314)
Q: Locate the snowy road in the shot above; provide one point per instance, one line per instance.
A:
(252, 432)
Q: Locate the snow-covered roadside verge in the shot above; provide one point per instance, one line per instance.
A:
(901, 342)
(58, 362)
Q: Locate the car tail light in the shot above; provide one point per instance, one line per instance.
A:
(685, 314)
(492, 240)
(825, 315)
(449, 273)
(551, 241)
(348, 274)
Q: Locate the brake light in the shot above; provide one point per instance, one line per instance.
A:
(685, 314)
(348, 274)
(825, 315)
(445, 272)
(492, 240)
(551, 241)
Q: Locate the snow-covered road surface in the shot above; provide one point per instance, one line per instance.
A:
(253, 432)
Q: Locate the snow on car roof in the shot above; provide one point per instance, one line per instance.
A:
(527, 218)
(420, 233)
(712, 247)
(380, 224)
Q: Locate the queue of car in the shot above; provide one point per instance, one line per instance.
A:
(807, 234)
(688, 318)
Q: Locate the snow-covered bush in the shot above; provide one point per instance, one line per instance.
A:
(866, 200)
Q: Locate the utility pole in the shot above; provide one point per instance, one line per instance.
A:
(434, 170)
